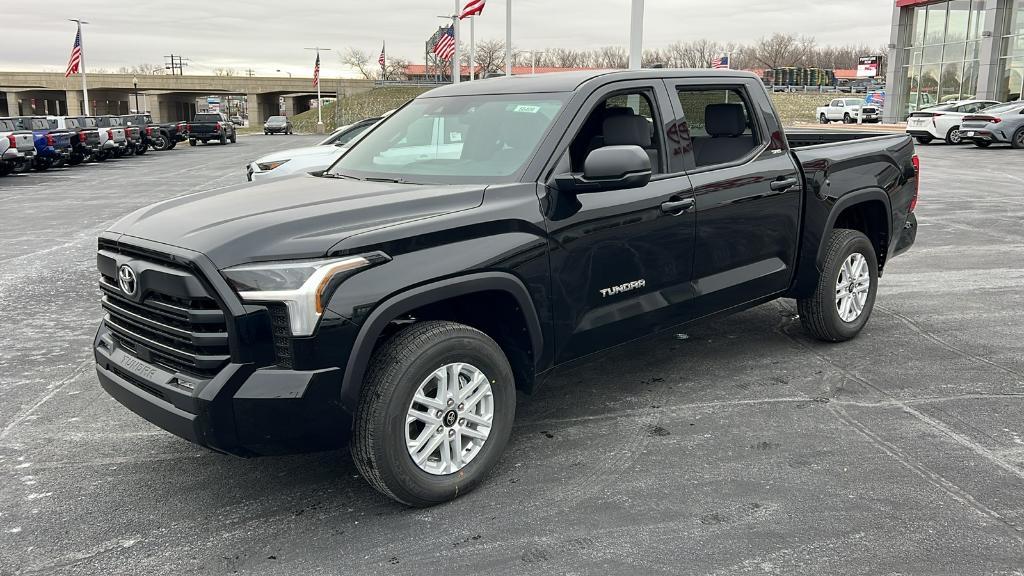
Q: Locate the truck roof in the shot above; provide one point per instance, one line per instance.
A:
(570, 81)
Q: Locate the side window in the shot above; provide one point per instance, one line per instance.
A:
(626, 118)
(836, 104)
(720, 125)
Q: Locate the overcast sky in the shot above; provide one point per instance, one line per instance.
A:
(237, 34)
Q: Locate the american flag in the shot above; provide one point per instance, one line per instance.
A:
(721, 62)
(316, 71)
(473, 8)
(381, 60)
(76, 55)
(445, 45)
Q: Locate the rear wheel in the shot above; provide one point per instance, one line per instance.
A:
(847, 119)
(1018, 138)
(141, 149)
(160, 142)
(6, 168)
(234, 138)
(435, 413)
(172, 144)
(223, 139)
(953, 137)
(845, 295)
(923, 140)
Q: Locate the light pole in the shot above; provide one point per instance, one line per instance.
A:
(135, 83)
(285, 72)
(636, 34)
(533, 59)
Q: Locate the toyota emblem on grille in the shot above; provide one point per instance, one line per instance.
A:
(126, 279)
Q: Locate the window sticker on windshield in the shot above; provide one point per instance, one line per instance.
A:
(526, 109)
(455, 136)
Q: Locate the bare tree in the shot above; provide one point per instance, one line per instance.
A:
(490, 57)
(780, 50)
(142, 69)
(225, 72)
(611, 57)
(395, 68)
(359, 60)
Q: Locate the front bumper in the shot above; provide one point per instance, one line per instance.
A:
(243, 410)
(275, 129)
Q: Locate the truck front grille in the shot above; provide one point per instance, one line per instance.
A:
(181, 334)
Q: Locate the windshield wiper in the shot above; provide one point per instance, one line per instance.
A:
(338, 175)
(390, 180)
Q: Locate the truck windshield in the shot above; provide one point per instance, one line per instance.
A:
(454, 140)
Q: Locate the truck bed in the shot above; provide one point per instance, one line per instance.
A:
(813, 137)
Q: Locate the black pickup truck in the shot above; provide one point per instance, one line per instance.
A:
(208, 126)
(158, 136)
(85, 138)
(482, 235)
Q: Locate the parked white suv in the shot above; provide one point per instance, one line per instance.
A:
(943, 121)
(848, 110)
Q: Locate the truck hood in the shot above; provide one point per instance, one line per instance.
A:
(295, 217)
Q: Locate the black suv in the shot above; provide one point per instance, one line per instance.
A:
(477, 238)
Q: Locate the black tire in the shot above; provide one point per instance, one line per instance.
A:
(265, 133)
(1017, 141)
(953, 137)
(223, 140)
(101, 156)
(141, 149)
(847, 119)
(161, 142)
(397, 369)
(819, 313)
(172, 144)
(234, 138)
(923, 140)
(41, 164)
(75, 159)
(982, 143)
(6, 168)
(823, 119)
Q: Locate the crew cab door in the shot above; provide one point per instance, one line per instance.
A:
(836, 109)
(620, 259)
(747, 189)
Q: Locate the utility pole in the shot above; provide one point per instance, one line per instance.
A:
(81, 64)
(319, 101)
(173, 63)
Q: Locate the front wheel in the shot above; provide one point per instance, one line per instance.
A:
(953, 137)
(845, 294)
(435, 413)
(847, 119)
(1018, 138)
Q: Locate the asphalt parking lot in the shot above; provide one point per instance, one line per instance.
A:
(739, 447)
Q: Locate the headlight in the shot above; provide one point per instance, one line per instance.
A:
(303, 286)
(265, 166)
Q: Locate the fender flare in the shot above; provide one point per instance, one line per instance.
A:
(396, 305)
(844, 202)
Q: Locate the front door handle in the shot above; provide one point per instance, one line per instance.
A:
(781, 185)
(677, 207)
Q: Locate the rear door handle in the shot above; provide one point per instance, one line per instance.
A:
(677, 207)
(780, 185)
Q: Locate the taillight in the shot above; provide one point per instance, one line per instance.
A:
(13, 141)
(188, 127)
(149, 130)
(217, 127)
(917, 181)
(50, 140)
(986, 119)
(110, 134)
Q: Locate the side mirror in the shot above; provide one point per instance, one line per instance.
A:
(609, 168)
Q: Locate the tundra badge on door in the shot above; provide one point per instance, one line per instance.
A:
(627, 287)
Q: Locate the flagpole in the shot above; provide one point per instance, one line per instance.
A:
(472, 45)
(384, 64)
(81, 66)
(508, 37)
(456, 65)
(319, 100)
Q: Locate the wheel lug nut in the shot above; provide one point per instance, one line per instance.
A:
(440, 429)
(451, 433)
(462, 421)
(440, 413)
(462, 407)
(450, 401)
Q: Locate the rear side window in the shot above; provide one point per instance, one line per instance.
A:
(7, 125)
(720, 125)
(40, 124)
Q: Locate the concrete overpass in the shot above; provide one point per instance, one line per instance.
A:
(168, 98)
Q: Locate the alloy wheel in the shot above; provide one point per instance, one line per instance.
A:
(449, 418)
(852, 287)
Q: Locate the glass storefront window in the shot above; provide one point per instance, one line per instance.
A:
(950, 81)
(977, 20)
(969, 87)
(935, 25)
(932, 54)
(1013, 80)
(959, 18)
(954, 52)
(917, 36)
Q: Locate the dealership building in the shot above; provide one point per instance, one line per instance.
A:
(953, 49)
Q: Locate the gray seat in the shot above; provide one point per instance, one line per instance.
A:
(725, 142)
(631, 130)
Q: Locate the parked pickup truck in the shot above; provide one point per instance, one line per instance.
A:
(53, 147)
(403, 305)
(157, 136)
(848, 110)
(208, 126)
(132, 134)
(17, 147)
(85, 140)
